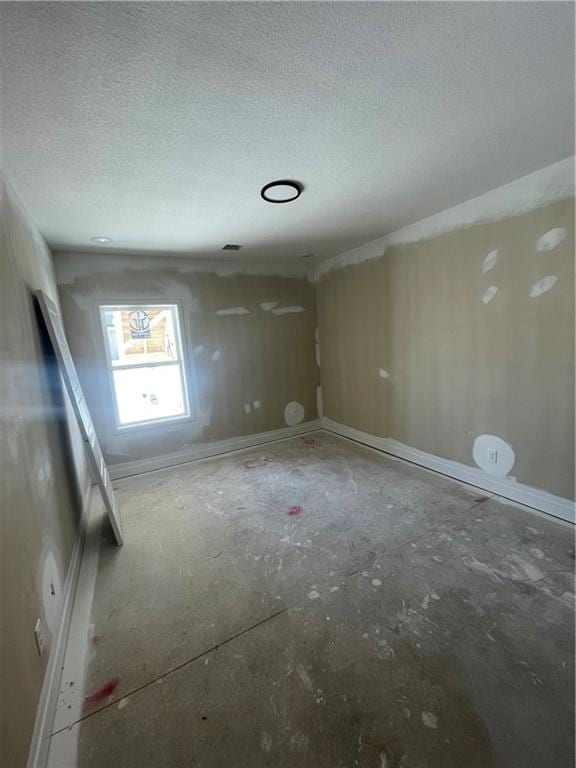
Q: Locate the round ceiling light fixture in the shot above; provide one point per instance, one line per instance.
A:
(282, 191)
(101, 240)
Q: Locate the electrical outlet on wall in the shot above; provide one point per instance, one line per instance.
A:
(493, 455)
(39, 637)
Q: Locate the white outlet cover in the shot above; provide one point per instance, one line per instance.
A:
(485, 446)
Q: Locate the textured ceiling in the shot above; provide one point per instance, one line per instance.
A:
(157, 124)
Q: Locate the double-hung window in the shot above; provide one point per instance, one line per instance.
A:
(144, 352)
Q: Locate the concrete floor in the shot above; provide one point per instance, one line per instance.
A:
(312, 603)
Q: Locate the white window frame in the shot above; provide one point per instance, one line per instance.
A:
(180, 362)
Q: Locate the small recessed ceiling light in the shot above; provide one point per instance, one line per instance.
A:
(101, 240)
(231, 247)
(283, 191)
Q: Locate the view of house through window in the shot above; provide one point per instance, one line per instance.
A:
(144, 352)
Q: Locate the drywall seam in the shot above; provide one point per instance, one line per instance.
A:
(207, 450)
(554, 182)
(183, 264)
(502, 486)
(46, 710)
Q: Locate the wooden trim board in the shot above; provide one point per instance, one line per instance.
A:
(206, 450)
(46, 710)
(94, 455)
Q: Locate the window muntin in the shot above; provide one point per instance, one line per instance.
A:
(144, 353)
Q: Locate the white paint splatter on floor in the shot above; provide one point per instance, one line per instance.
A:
(430, 720)
(477, 565)
(305, 678)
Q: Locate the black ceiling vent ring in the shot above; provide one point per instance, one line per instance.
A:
(231, 247)
(281, 191)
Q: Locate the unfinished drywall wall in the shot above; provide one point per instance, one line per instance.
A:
(248, 342)
(443, 341)
(42, 479)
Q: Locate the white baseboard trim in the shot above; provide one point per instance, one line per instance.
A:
(47, 702)
(206, 450)
(501, 486)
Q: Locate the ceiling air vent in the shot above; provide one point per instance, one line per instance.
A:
(231, 247)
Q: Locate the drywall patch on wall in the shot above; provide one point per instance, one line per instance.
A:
(288, 310)
(555, 182)
(383, 373)
(319, 402)
(256, 404)
(446, 358)
(317, 347)
(70, 267)
(51, 588)
(198, 350)
(489, 294)
(247, 407)
(490, 261)
(493, 455)
(268, 305)
(42, 480)
(43, 474)
(244, 357)
(233, 311)
(543, 286)
(551, 239)
(293, 413)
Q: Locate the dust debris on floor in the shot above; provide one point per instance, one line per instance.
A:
(317, 604)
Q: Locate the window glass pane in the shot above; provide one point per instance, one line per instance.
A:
(141, 335)
(143, 394)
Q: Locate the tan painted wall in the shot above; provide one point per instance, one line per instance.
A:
(458, 367)
(263, 357)
(39, 503)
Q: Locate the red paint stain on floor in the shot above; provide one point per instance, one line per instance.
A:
(572, 555)
(480, 499)
(293, 511)
(310, 441)
(102, 694)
